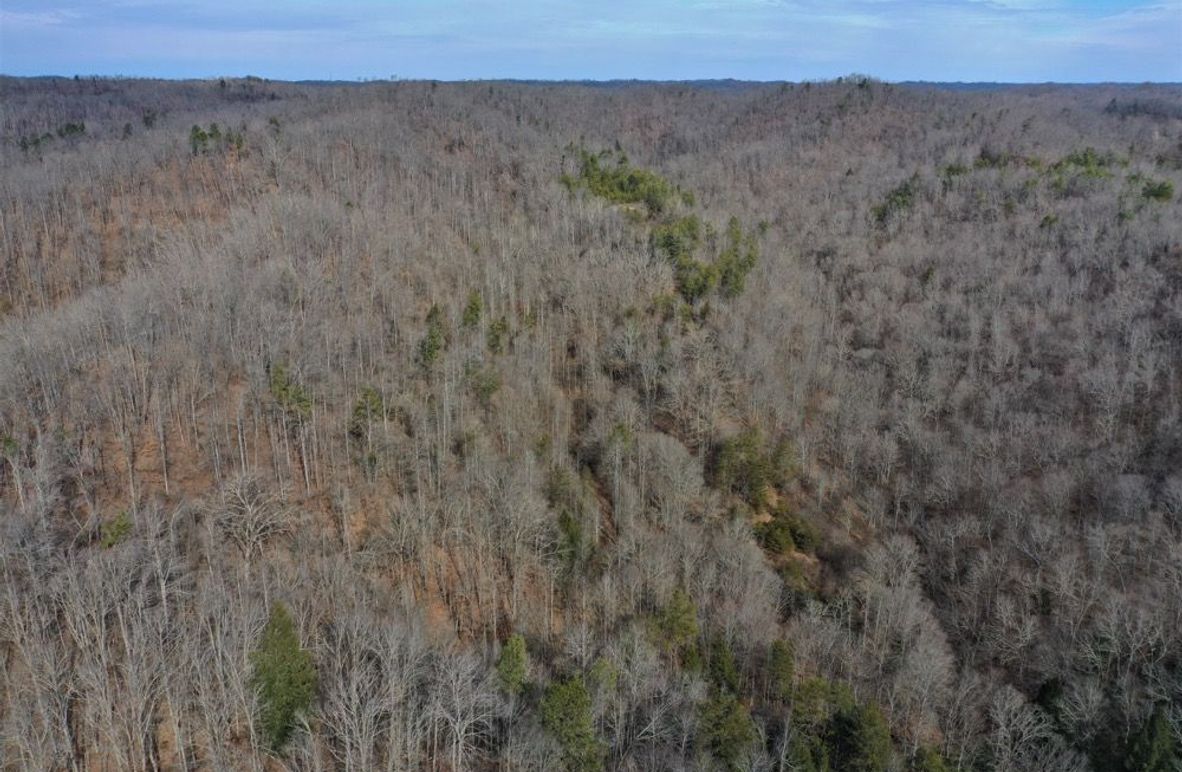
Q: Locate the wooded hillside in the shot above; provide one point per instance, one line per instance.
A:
(830, 426)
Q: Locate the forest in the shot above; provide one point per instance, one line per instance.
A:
(417, 425)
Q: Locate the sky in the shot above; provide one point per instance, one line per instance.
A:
(935, 40)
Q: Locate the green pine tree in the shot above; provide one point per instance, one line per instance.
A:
(861, 739)
(293, 398)
(722, 668)
(284, 678)
(781, 669)
(435, 341)
(511, 667)
(678, 622)
(807, 752)
(727, 729)
(566, 714)
(1154, 748)
(928, 759)
(473, 310)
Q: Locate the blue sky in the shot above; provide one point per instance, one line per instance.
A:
(997, 40)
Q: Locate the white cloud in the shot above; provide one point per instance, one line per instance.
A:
(37, 19)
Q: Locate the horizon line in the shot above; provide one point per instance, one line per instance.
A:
(365, 80)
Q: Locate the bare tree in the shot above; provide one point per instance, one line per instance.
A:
(250, 515)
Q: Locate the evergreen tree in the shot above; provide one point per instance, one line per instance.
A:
(284, 678)
(807, 752)
(736, 261)
(566, 714)
(292, 398)
(473, 310)
(512, 665)
(368, 408)
(678, 622)
(723, 670)
(1154, 748)
(197, 139)
(727, 729)
(498, 334)
(743, 465)
(435, 341)
(781, 669)
(861, 739)
(928, 759)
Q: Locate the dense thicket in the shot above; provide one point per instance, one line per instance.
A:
(461, 426)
